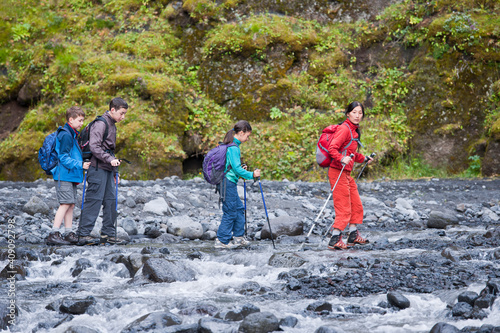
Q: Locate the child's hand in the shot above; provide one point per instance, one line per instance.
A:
(86, 165)
(256, 173)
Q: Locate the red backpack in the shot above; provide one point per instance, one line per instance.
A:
(323, 157)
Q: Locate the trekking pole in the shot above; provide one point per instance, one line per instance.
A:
(245, 199)
(116, 205)
(83, 200)
(372, 155)
(331, 192)
(267, 216)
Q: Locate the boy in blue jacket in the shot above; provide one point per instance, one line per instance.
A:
(68, 173)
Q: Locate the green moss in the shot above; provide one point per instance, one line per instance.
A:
(495, 129)
(257, 32)
(148, 45)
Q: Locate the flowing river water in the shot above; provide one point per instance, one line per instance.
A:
(222, 278)
(316, 287)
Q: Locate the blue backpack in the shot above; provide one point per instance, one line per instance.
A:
(214, 164)
(47, 155)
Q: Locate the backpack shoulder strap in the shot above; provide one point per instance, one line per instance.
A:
(100, 118)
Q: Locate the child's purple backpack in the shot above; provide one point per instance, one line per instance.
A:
(214, 164)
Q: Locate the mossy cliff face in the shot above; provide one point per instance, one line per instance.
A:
(427, 71)
(448, 106)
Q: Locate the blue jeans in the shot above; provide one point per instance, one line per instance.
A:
(233, 214)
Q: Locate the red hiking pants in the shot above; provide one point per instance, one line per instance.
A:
(346, 200)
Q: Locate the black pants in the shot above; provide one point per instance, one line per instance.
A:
(100, 191)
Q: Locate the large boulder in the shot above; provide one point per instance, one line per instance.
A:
(36, 205)
(185, 227)
(441, 219)
(157, 206)
(163, 270)
(30, 92)
(283, 225)
(259, 322)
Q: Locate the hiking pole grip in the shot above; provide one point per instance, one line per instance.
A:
(372, 155)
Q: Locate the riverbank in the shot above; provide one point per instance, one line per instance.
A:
(431, 241)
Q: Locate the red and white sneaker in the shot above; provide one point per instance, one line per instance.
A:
(355, 238)
(336, 243)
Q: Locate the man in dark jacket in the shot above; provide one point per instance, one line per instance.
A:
(102, 177)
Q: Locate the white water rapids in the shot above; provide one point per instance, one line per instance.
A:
(219, 276)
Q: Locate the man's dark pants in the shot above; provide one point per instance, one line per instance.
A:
(100, 192)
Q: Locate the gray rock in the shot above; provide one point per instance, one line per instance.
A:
(157, 206)
(153, 321)
(286, 260)
(214, 325)
(36, 205)
(289, 321)
(283, 225)
(320, 306)
(441, 219)
(326, 329)
(163, 270)
(398, 300)
(260, 322)
(184, 227)
(462, 309)
(468, 297)
(80, 329)
(130, 226)
(76, 306)
(444, 328)
(130, 202)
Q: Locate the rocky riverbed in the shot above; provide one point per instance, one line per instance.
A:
(432, 265)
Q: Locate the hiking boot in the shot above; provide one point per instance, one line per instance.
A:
(87, 240)
(240, 241)
(355, 238)
(71, 237)
(112, 240)
(336, 243)
(55, 238)
(219, 245)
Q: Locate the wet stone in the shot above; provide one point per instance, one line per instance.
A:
(398, 300)
(468, 297)
(288, 321)
(462, 309)
(319, 306)
(260, 322)
(76, 306)
(153, 321)
(444, 328)
(214, 325)
(326, 329)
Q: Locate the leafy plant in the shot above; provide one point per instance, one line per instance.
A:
(21, 31)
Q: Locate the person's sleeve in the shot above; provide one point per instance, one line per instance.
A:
(66, 144)
(96, 142)
(338, 140)
(233, 153)
(359, 158)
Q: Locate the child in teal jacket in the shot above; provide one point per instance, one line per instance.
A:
(232, 225)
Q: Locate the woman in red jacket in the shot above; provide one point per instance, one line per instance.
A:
(346, 200)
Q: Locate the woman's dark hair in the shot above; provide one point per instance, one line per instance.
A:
(240, 126)
(351, 107)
